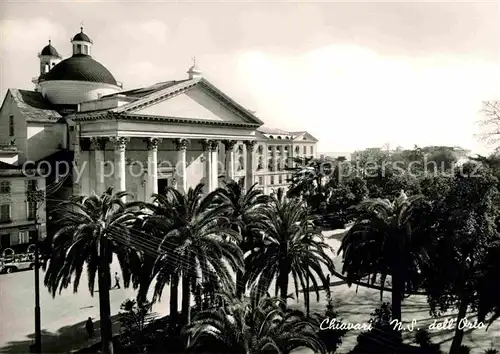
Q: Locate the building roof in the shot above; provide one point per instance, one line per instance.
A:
(145, 91)
(267, 130)
(82, 36)
(50, 50)
(80, 67)
(33, 106)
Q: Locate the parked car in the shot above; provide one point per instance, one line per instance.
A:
(16, 264)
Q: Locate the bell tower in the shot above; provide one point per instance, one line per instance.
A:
(49, 57)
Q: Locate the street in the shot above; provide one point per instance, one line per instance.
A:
(63, 317)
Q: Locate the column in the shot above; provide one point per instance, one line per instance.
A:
(120, 144)
(207, 158)
(99, 145)
(214, 144)
(229, 149)
(152, 179)
(250, 165)
(180, 166)
(275, 158)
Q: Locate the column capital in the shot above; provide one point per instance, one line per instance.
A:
(152, 143)
(85, 144)
(229, 144)
(250, 144)
(98, 143)
(210, 145)
(120, 142)
(181, 144)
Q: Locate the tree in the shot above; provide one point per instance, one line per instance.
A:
(464, 230)
(291, 245)
(385, 240)
(251, 327)
(490, 123)
(245, 210)
(198, 243)
(308, 180)
(488, 285)
(134, 318)
(92, 229)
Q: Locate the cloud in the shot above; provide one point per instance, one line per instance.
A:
(24, 35)
(351, 97)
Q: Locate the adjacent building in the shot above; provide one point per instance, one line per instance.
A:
(173, 133)
(21, 220)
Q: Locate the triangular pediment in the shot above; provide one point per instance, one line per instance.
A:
(199, 101)
(304, 136)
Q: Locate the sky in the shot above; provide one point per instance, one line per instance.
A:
(353, 74)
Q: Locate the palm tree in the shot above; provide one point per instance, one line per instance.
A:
(308, 180)
(290, 245)
(250, 327)
(92, 229)
(245, 209)
(384, 240)
(198, 244)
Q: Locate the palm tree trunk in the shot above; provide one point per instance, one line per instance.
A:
(283, 280)
(397, 295)
(459, 331)
(174, 297)
(307, 297)
(104, 306)
(186, 298)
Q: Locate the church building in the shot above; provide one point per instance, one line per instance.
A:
(172, 133)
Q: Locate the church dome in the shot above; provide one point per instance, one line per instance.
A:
(50, 50)
(80, 67)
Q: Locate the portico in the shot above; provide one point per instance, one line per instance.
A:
(134, 142)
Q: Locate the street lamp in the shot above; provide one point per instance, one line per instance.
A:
(37, 196)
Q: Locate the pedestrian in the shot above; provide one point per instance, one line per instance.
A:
(89, 325)
(117, 281)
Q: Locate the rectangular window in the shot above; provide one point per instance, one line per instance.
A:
(5, 213)
(305, 150)
(280, 179)
(31, 185)
(85, 50)
(23, 237)
(272, 180)
(5, 187)
(311, 149)
(78, 49)
(31, 210)
(11, 126)
(261, 181)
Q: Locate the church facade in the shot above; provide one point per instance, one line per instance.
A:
(173, 133)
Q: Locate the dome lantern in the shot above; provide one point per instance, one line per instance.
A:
(82, 44)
